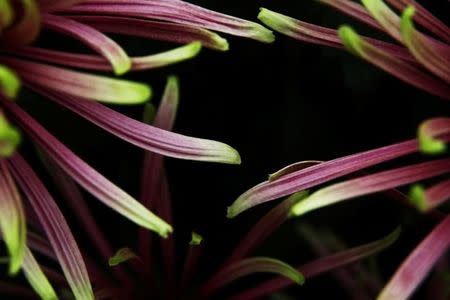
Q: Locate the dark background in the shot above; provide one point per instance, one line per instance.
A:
(276, 104)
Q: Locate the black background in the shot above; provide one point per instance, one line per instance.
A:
(276, 104)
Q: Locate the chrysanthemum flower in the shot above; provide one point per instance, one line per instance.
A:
(419, 59)
(50, 74)
(145, 272)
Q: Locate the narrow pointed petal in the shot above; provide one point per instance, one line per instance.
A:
(428, 134)
(371, 184)
(318, 174)
(418, 264)
(321, 265)
(9, 83)
(6, 14)
(36, 277)
(79, 84)
(430, 198)
(122, 255)
(267, 225)
(191, 261)
(56, 228)
(154, 30)
(145, 136)
(385, 17)
(94, 39)
(319, 35)
(52, 5)
(9, 137)
(293, 168)
(12, 219)
(87, 177)
(177, 12)
(400, 69)
(424, 18)
(435, 57)
(99, 63)
(250, 266)
(27, 29)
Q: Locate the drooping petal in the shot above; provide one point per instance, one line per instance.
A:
(9, 83)
(268, 224)
(249, 266)
(98, 63)
(79, 84)
(155, 30)
(56, 228)
(177, 12)
(424, 18)
(321, 265)
(371, 184)
(418, 264)
(9, 137)
(27, 28)
(12, 219)
(36, 277)
(318, 174)
(86, 176)
(435, 57)
(96, 40)
(428, 133)
(399, 68)
(122, 255)
(145, 136)
(428, 199)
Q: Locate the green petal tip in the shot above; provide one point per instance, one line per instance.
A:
(417, 197)
(9, 82)
(121, 256)
(196, 239)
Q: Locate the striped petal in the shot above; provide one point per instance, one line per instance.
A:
(176, 12)
(371, 184)
(79, 84)
(94, 39)
(428, 135)
(428, 199)
(433, 56)
(318, 174)
(12, 219)
(320, 266)
(398, 68)
(250, 266)
(56, 228)
(418, 264)
(9, 137)
(36, 277)
(86, 176)
(145, 136)
(154, 30)
(9, 83)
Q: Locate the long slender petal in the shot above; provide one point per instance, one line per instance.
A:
(79, 84)
(192, 257)
(12, 219)
(96, 40)
(86, 176)
(428, 135)
(9, 137)
(321, 265)
(178, 12)
(435, 57)
(250, 266)
(99, 63)
(36, 277)
(56, 228)
(418, 264)
(52, 5)
(371, 184)
(315, 175)
(399, 68)
(155, 30)
(145, 136)
(428, 199)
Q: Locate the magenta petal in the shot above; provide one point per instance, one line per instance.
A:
(56, 228)
(418, 264)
